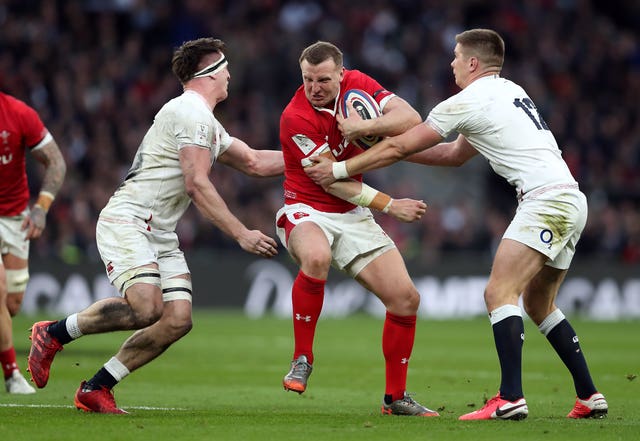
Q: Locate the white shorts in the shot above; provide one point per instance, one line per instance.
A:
(124, 245)
(12, 237)
(551, 222)
(355, 237)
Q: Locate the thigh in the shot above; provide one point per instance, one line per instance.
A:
(387, 277)
(171, 260)
(123, 247)
(350, 235)
(3, 285)
(309, 247)
(514, 265)
(12, 238)
(15, 278)
(358, 240)
(13, 262)
(550, 224)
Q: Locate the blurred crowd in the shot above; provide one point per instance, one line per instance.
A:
(98, 71)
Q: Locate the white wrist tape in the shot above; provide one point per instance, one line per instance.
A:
(340, 170)
(386, 207)
(365, 197)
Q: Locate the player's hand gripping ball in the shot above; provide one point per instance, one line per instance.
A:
(366, 107)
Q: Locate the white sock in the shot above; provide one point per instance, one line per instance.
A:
(72, 326)
(504, 311)
(116, 368)
(551, 321)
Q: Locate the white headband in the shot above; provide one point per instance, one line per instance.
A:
(212, 69)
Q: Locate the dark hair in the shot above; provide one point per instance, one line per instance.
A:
(321, 51)
(187, 58)
(484, 44)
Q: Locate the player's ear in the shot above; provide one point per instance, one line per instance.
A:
(473, 63)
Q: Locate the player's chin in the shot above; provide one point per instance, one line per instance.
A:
(319, 101)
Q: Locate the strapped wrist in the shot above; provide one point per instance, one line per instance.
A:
(339, 170)
(44, 201)
(372, 198)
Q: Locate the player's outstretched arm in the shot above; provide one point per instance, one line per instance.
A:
(358, 193)
(260, 163)
(386, 152)
(397, 117)
(448, 154)
(195, 164)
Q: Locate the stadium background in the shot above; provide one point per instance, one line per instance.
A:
(98, 71)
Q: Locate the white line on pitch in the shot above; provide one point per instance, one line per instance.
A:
(63, 406)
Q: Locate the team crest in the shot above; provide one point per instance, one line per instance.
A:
(303, 142)
(202, 134)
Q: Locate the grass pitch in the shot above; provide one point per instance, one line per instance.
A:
(223, 382)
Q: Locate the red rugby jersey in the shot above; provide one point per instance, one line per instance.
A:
(20, 129)
(304, 129)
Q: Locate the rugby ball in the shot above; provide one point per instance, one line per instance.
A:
(367, 108)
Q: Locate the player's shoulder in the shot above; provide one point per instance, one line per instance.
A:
(355, 79)
(186, 105)
(492, 86)
(297, 110)
(355, 75)
(15, 104)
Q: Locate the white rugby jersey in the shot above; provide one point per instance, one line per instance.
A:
(500, 120)
(153, 191)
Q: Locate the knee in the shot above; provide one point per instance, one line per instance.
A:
(405, 304)
(490, 297)
(316, 263)
(413, 300)
(178, 327)
(496, 295)
(147, 316)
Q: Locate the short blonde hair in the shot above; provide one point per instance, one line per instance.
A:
(484, 44)
(321, 51)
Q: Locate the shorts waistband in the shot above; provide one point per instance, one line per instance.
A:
(535, 193)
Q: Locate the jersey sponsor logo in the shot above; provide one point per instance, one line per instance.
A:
(299, 215)
(5, 159)
(303, 142)
(109, 268)
(546, 236)
(202, 134)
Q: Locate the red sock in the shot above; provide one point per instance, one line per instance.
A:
(398, 335)
(8, 360)
(307, 296)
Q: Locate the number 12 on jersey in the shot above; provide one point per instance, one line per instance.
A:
(530, 109)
